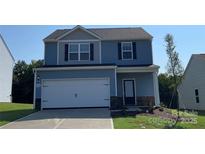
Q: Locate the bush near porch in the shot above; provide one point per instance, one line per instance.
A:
(160, 119)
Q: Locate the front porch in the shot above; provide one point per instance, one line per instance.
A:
(136, 87)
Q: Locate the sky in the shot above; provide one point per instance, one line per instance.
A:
(25, 42)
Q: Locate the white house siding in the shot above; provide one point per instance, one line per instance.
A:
(194, 78)
(6, 69)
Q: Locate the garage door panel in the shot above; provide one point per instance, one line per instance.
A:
(75, 93)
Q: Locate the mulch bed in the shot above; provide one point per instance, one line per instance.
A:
(167, 114)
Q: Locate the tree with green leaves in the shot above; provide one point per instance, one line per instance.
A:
(23, 80)
(174, 66)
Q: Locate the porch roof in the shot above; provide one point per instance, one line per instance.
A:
(119, 69)
(132, 69)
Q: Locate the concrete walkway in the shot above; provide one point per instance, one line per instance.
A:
(96, 118)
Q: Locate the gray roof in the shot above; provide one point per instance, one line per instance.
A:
(199, 55)
(109, 34)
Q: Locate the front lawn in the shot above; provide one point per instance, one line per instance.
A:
(12, 111)
(193, 120)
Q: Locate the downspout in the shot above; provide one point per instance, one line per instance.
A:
(34, 89)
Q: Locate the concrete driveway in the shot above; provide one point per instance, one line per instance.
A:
(96, 118)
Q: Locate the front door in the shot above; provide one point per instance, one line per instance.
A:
(129, 92)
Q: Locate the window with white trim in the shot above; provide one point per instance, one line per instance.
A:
(84, 51)
(127, 50)
(79, 51)
(73, 51)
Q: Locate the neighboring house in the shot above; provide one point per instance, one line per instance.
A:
(107, 67)
(192, 89)
(6, 69)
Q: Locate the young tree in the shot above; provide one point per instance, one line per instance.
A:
(174, 66)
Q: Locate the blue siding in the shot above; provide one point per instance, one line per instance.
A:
(144, 83)
(76, 62)
(51, 53)
(109, 54)
(78, 74)
(143, 49)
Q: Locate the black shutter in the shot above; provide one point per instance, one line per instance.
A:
(134, 50)
(91, 51)
(119, 51)
(66, 52)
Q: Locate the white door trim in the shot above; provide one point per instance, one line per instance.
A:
(156, 89)
(123, 88)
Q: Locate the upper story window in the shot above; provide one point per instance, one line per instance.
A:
(79, 51)
(127, 50)
(73, 51)
(84, 51)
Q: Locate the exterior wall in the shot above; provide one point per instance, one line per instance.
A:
(6, 69)
(50, 53)
(143, 49)
(76, 62)
(194, 79)
(143, 81)
(107, 55)
(76, 74)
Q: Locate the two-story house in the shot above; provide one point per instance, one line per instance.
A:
(107, 67)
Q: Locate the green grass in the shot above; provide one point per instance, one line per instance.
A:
(12, 111)
(154, 122)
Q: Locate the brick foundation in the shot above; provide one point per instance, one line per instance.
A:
(145, 101)
(116, 102)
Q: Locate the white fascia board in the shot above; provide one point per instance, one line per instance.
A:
(71, 41)
(8, 50)
(75, 68)
(137, 69)
(79, 27)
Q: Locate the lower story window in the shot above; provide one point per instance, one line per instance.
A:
(197, 99)
(197, 95)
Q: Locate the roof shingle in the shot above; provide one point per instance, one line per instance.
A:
(109, 33)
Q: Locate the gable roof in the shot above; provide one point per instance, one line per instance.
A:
(79, 27)
(1, 38)
(105, 33)
(200, 56)
(193, 56)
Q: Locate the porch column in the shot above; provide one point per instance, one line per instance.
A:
(156, 88)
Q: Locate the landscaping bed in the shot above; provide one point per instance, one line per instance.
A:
(159, 118)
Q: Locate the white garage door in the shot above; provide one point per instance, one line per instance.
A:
(75, 93)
